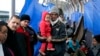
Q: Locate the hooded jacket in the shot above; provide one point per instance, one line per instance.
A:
(45, 29)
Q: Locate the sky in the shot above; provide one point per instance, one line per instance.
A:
(5, 5)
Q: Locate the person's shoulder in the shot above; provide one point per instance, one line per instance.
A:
(60, 23)
(42, 23)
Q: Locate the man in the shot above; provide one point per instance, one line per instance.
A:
(11, 42)
(29, 36)
(4, 50)
(58, 34)
(96, 45)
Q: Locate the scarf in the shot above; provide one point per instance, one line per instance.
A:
(54, 22)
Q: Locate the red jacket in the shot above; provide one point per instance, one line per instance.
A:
(45, 28)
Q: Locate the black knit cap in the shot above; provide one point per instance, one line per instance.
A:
(97, 37)
(25, 17)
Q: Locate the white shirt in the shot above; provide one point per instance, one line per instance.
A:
(1, 50)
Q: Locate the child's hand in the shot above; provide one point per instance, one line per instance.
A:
(49, 39)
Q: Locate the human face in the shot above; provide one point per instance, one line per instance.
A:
(94, 42)
(14, 23)
(47, 18)
(24, 23)
(3, 34)
(54, 16)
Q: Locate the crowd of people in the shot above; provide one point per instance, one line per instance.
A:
(17, 38)
(20, 36)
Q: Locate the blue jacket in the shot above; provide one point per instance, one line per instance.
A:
(70, 45)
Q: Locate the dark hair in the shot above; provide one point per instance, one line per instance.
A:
(83, 42)
(2, 23)
(67, 26)
(61, 12)
(97, 38)
(16, 16)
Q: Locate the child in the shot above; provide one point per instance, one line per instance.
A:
(95, 49)
(83, 47)
(25, 44)
(4, 51)
(73, 46)
(96, 45)
(45, 31)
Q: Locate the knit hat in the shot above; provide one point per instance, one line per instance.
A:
(97, 37)
(25, 17)
(54, 9)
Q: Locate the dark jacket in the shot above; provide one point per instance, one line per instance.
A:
(94, 51)
(21, 42)
(11, 42)
(24, 34)
(7, 51)
(59, 37)
(33, 37)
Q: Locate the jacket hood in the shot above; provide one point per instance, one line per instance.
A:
(44, 13)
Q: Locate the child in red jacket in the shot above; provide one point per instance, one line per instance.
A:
(45, 31)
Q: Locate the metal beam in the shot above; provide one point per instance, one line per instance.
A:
(12, 10)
